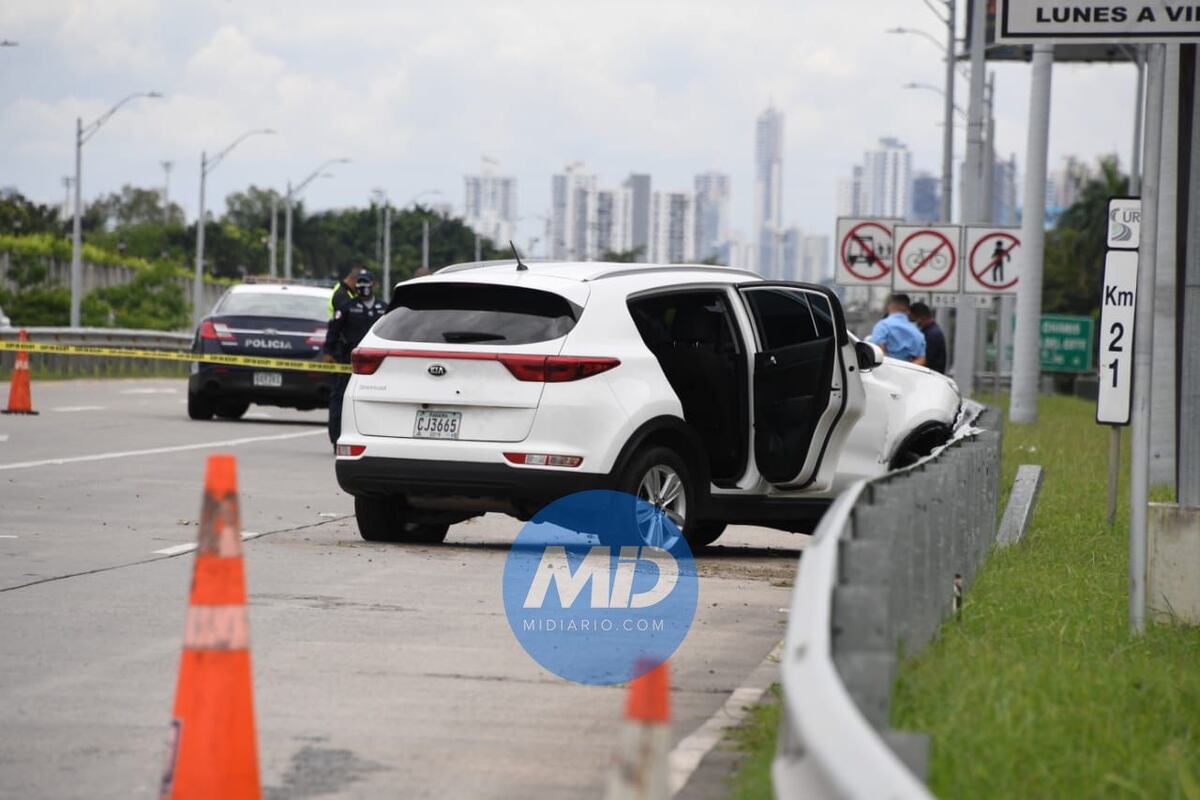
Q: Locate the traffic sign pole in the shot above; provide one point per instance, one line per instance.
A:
(1143, 364)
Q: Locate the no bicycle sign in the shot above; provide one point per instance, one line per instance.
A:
(927, 258)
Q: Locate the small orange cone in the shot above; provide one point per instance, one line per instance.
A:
(213, 751)
(19, 399)
(640, 769)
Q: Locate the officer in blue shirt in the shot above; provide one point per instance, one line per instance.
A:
(896, 335)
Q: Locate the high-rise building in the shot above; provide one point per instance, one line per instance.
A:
(850, 194)
(926, 198)
(672, 227)
(814, 260)
(573, 214)
(490, 203)
(614, 221)
(887, 179)
(712, 213)
(768, 189)
(1064, 186)
(791, 249)
(638, 185)
(1004, 192)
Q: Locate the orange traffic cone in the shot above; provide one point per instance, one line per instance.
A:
(640, 769)
(19, 399)
(213, 752)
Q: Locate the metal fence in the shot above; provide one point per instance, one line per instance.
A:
(884, 569)
(63, 366)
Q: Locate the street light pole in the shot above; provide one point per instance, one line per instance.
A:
(387, 249)
(82, 134)
(290, 200)
(948, 121)
(274, 266)
(206, 167)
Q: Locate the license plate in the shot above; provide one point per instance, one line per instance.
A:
(269, 379)
(437, 424)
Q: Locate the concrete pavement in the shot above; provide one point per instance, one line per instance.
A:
(380, 670)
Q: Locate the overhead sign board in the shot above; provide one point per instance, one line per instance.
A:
(1066, 343)
(927, 258)
(1124, 223)
(1118, 300)
(1074, 21)
(865, 251)
(992, 260)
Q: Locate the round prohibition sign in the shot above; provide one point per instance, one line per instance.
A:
(933, 262)
(863, 245)
(991, 264)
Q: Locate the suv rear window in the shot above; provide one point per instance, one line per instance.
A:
(476, 313)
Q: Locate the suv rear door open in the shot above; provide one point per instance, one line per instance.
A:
(807, 390)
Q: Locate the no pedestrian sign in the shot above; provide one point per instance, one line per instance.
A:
(927, 258)
(865, 250)
(993, 260)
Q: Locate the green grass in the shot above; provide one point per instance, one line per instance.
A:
(1040, 691)
(755, 739)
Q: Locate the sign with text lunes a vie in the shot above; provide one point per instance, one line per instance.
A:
(1099, 21)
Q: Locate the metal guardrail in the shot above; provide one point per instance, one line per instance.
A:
(886, 565)
(96, 366)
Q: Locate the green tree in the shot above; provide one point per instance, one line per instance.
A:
(624, 256)
(153, 300)
(1074, 265)
(21, 216)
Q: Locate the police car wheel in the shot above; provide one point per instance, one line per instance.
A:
(231, 409)
(199, 406)
(382, 519)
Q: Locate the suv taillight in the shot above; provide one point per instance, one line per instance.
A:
(556, 369)
(215, 331)
(365, 362)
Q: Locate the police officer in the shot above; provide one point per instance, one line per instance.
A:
(352, 318)
(344, 290)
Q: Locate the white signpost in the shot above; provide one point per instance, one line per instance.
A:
(992, 260)
(1099, 21)
(1118, 301)
(865, 250)
(927, 258)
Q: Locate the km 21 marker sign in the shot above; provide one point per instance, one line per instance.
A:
(1118, 299)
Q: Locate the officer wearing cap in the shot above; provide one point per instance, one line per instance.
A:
(352, 318)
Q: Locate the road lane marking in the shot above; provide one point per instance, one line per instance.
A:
(179, 549)
(7, 536)
(3, 437)
(687, 755)
(154, 451)
(72, 409)
(149, 391)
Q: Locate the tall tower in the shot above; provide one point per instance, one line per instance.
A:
(768, 189)
(712, 213)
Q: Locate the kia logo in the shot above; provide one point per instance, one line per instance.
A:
(437, 370)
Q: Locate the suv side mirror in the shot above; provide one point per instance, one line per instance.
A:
(869, 355)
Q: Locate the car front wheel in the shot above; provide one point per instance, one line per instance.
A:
(199, 406)
(382, 519)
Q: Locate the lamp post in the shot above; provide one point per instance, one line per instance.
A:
(289, 201)
(82, 134)
(207, 166)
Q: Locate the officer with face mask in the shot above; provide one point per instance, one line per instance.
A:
(352, 318)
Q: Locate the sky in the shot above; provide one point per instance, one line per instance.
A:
(416, 93)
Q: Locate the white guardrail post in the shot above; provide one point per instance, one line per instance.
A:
(884, 568)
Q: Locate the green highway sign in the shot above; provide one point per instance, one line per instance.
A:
(1066, 343)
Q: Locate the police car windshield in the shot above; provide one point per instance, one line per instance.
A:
(274, 304)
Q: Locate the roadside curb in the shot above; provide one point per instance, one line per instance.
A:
(700, 767)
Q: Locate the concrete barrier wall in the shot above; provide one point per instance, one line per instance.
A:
(879, 579)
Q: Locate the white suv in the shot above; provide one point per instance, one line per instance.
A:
(716, 395)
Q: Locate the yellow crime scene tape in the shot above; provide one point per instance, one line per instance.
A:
(175, 355)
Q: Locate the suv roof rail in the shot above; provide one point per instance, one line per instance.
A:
(479, 265)
(636, 270)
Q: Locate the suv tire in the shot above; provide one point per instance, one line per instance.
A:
(704, 534)
(199, 406)
(661, 477)
(382, 519)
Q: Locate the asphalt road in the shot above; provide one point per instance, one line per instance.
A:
(379, 670)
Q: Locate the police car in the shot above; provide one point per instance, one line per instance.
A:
(275, 320)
